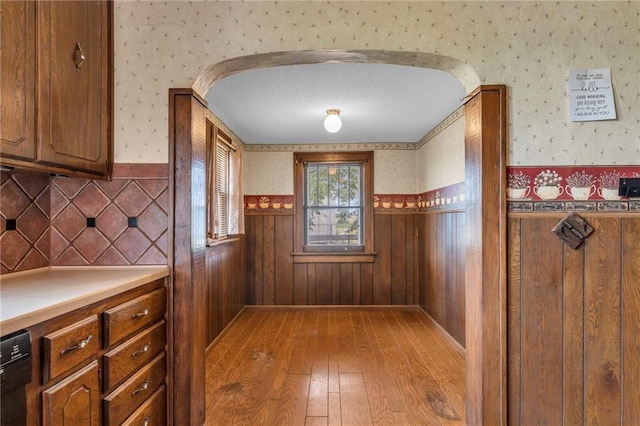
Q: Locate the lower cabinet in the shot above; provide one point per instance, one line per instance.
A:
(105, 364)
(75, 400)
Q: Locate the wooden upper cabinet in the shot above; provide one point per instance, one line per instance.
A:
(56, 86)
(17, 80)
(74, 85)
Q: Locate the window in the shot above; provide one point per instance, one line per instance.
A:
(333, 206)
(218, 197)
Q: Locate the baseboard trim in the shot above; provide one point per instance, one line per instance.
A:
(253, 308)
(457, 346)
(224, 331)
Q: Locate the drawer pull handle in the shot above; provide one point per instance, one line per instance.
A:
(81, 345)
(78, 57)
(146, 421)
(144, 387)
(142, 350)
(141, 314)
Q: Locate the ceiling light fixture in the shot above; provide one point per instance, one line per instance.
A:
(332, 123)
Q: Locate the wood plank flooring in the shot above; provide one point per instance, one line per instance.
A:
(334, 367)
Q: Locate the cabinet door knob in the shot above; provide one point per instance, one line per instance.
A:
(81, 345)
(78, 56)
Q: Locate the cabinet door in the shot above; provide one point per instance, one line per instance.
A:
(17, 77)
(73, 401)
(74, 84)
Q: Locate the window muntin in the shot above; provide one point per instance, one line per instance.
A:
(333, 206)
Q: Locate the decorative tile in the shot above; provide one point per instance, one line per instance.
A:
(161, 243)
(112, 187)
(32, 223)
(132, 243)
(163, 201)
(32, 183)
(520, 206)
(90, 201)
(58, 244)
(71, 257)
(613, 206)
(43, 245)
(153, 187)
(33, 259)
(132, 200)
(70, 186)
(13, 201)
(548, 206)
(70, 222)
(153, 256)
(43, 201)
(580, 205)
(58, 201)
(140, 171)
(111, 222)
(634, 205)
(90, 244)
(153, 221)
(111, 257)
(4, 176)
(14, 248)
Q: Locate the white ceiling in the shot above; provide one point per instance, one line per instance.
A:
(378, 102)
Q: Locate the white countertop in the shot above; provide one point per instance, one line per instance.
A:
(28, 298)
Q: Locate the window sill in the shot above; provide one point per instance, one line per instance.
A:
(215, 243)
(351, 257)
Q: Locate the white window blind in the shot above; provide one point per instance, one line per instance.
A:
(222, 190)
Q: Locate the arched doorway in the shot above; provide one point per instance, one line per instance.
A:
(485, 218)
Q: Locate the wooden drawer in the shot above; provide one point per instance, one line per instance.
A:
(123, 401)
(152, 413)
(69, 347)
(132, 354)
(124, 320)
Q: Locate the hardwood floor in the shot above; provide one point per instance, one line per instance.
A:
(334, 367)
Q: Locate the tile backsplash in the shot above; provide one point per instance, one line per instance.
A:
(72, 221)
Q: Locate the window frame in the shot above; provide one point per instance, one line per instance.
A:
(365, 252)
(215, 138)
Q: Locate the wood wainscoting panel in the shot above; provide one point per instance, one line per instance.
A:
(573, 328)
(630, 325)
(441, 269)
(273, 278)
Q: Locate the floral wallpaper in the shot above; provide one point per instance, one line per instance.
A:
(529, 46)
(394, 172)
(440, 161)
(268, 173)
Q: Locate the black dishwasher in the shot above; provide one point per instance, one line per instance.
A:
(15, 374)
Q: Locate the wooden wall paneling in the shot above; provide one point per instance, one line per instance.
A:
(249, 226)
(366, 283)
(541, 293)
(485, 264)
(283, 273)
(355, 283)
(573, 336)
(398, 260)
(323, 283)
(300, 286)
(450, 305)
(346, 283)
(602, 323)
(382, 264)
(411, 260)
(268, 260)
(311, 284)
(335, 283)
(440, 279)
(187, 134)
(460, 279)
(630, 324)
(258, 260)
(432, 266)
(422, 238)
(514, 325)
